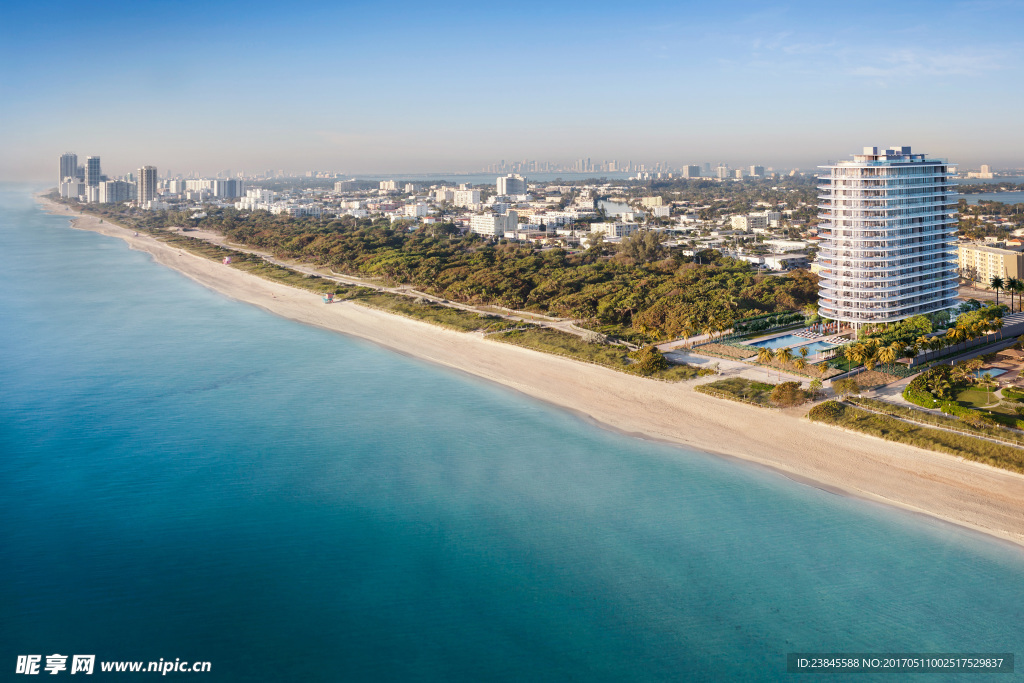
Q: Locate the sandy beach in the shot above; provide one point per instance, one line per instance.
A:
(970, 494)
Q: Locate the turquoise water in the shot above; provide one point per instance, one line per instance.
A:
(186, 476)
(989, 372)
(792, 340)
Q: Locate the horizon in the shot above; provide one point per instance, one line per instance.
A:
(353, 91)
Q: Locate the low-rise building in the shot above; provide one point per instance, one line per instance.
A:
(982, 262)
(614, 229)
(494, 225)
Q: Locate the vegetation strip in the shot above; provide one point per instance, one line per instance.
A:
(940, 421)
(968, 447)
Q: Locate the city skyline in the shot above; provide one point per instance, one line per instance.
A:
(355, 91)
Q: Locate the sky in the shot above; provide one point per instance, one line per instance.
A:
(425, 87)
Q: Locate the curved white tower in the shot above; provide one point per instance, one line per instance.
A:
(888, 229)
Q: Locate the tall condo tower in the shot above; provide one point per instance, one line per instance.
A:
(68, 166)
(147, 184)
(888, 227)
(92, 171)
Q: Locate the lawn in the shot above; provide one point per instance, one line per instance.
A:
(739, 389)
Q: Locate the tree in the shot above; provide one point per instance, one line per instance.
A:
(643, 247)
(815, 386)
(846, 387)
(788, 394)
(1014, 286)
(784, 356)
(803, 351)
(889, 354)
(648, 360)
(997, 284)
(765, 357)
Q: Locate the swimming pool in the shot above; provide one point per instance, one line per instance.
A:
(792, 340)
(989, 372)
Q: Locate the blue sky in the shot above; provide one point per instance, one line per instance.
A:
(358, 87)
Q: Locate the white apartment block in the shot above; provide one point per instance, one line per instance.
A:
(415, 210)
(750, 223)
(444, 194)
(466, 197)
(72, 188)
(889, 234)
(615, 229)
(511, 184)
(116, 191)
(388, 186)
(494, 225)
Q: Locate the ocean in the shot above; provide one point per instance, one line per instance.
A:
(187, 477)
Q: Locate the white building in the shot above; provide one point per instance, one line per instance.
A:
(466, 197)
(444, 194)
(416, 210)
(72, 188)
(750, 222)
(511, 184)
(388, 186)
(116, 191)
(494, 225)
(615, 229)
(889, 237)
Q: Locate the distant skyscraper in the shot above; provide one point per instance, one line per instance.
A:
(68, 166)
(147, 184)
(691, 171)
(757, 171)
(92, 171)
(889, 237)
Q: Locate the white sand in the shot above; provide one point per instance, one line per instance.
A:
(970, 494)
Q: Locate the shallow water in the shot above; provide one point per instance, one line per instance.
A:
(187, 476)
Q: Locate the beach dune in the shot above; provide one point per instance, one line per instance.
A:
(966, 493)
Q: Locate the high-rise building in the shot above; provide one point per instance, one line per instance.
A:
(92, 171)
(511, 184)
(114, 191)
(68, 166)
(691, 171)
(889, 237)
(147, 184)
(757, 171)
(722, 172)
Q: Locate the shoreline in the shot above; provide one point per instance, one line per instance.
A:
(964, 493)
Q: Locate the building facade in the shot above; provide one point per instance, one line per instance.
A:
(68, 166)
(889, 229)
(147, 184)
(980, 263)
(116, 191)
(493, 225)
(92, 171)
(511, 184)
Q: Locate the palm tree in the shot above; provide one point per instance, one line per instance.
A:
(800, 363)
(997, 283)
(889, 354)
(764, 357)
(784, 357)
(923, 342)
(955, 335)
(871, 355)
(804, 352)
(1014, 286)
(1018, 288)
